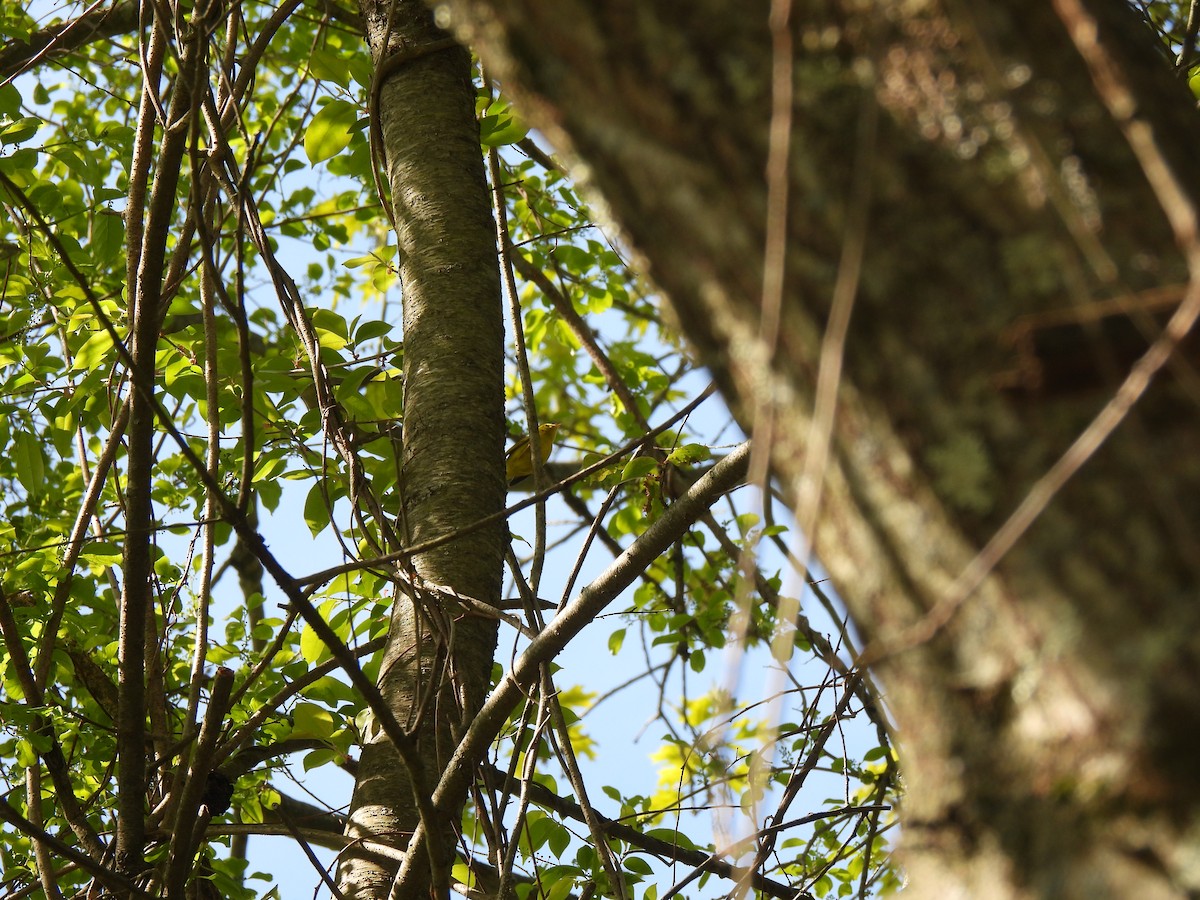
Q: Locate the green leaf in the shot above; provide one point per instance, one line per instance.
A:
(330, 65)
(638, 865)
(558, 841)
(689, 454)
(462, 874)
(501, 130)
(574, 258)
(615, 640)
(10, 97)
(108, 235)
(99, 555)
(26, 756)
(312, 648)
(312, 721)
(639, 468)
(330, 130)
(370, 330)
(747, 521)
(316, 509)
(678, 838)
(31, 462)
(269, 468)
(385, 397)
(314, 759)
(93, 351)
(20, 131)
(560, 889)
(330, 691)
(332, 332)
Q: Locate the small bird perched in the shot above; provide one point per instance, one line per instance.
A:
(519, 462)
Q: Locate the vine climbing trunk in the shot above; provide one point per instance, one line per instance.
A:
(438, 660)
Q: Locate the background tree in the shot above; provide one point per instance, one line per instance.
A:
(991, 454)
(201, 356)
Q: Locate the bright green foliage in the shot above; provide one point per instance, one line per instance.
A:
(228, 361)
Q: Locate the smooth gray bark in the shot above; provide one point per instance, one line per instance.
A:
(1049, 724)
(438, 660)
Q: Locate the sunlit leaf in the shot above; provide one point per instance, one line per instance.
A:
(31, 462)
(330, 130)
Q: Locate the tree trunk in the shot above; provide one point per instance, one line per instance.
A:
(1017, 262)
(438, 661)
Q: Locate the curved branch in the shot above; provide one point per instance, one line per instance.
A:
(566, 625)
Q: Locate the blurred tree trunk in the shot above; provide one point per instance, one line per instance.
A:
(1016, 263)
(438, 661)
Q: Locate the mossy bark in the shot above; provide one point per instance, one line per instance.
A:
(1049, 726)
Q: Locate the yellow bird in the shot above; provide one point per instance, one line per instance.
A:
(519, 463)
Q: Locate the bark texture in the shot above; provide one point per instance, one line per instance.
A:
(438, 661)
(1016, 262)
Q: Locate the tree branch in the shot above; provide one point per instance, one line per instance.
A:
(675, 522)
(56, 41)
